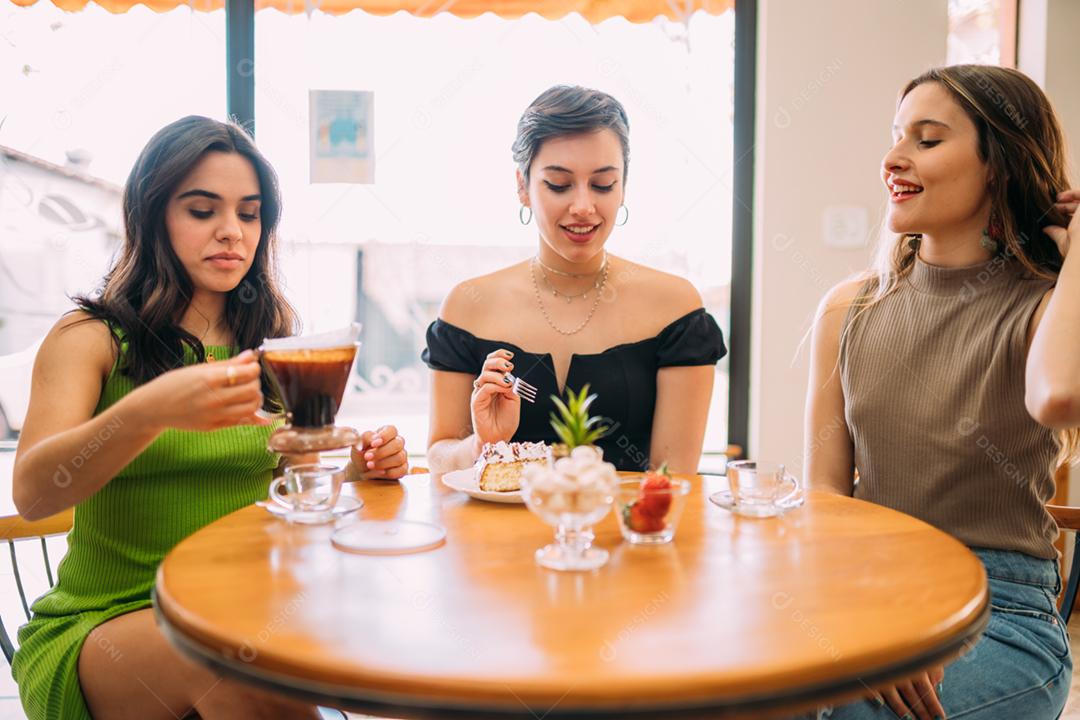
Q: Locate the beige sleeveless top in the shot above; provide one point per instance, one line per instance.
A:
(933, 381)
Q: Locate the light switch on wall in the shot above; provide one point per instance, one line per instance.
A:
(845, 226)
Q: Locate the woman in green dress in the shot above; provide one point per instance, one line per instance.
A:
(143, 417)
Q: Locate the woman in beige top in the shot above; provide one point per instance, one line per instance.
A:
(923, 361)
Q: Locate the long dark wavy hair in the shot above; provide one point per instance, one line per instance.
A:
(146, 292)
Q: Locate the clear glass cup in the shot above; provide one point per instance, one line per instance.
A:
(761, 489)
(572, 513)
(308, 492)
(650, 518)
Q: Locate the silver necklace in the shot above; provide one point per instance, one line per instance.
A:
(558, 293)
(543, 310)
(560, 273)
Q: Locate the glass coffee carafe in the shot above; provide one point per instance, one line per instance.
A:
(310, 374)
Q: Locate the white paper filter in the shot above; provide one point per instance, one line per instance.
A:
(336, 338)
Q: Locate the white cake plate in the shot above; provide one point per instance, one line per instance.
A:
(465, 481)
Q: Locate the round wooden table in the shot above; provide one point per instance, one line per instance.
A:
(737, 617)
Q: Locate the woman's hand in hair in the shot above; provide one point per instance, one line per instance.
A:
(1052, 373)
(208, 396)
(496, 410)
(1067, 203)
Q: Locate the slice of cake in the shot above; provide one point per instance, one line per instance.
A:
(500, 465)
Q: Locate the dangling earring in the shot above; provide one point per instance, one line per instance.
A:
(914, 240)
(521, 215)
(990, 235)
(626, 217)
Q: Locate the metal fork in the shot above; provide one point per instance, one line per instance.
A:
(522, 389)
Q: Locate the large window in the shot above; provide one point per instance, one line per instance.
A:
(86, 90)
(82, 92)
(448, 93)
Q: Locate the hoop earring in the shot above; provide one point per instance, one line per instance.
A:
(521, 218)
(626, 217)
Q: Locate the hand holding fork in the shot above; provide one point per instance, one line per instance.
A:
(495, 405)
(497, 369)
(522, 389)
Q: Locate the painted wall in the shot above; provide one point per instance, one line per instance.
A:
(828, 77)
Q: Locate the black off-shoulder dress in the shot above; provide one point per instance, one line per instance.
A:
(623, 378)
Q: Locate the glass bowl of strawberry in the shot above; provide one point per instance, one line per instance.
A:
(649, 509)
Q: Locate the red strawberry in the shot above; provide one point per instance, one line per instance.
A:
(638, 520)
(656, 492)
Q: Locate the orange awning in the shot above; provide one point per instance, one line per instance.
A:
(592, 10)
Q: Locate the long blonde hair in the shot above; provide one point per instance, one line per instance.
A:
(1021, 142)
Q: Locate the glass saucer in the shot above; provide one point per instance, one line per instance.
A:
(388, 537)
(724, 499)
(346, 504)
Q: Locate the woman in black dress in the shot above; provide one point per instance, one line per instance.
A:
(574, 313)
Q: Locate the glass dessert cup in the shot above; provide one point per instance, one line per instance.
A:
(310, 374)
(650, 517)
(572, 513)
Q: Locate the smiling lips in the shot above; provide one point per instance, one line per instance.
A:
(579, 233)
(901, 190)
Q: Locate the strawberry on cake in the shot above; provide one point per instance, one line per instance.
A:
(500, 465)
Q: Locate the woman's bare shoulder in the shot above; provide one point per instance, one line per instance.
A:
(836, 303)
(472, 303)
(660, 293)
(841, 295)
(80, 336)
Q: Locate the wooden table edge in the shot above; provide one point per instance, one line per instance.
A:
(391, 704)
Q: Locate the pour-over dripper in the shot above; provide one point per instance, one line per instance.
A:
(310, 374)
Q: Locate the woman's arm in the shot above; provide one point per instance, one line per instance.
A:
(66, 454)
(683, 395)
(464, 416)
(828, 453)
(1052, 376)
(452, 444)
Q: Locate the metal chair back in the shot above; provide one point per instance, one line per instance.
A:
(13, 529)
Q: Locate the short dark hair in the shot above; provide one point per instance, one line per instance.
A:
(569, 110)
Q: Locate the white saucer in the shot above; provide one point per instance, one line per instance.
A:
(724, 499)
(465, 481)
(346, 504)
(388, 537)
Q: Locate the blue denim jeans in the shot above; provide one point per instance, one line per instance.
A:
(1021, 668)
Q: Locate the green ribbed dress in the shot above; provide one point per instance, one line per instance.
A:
(181, 482)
